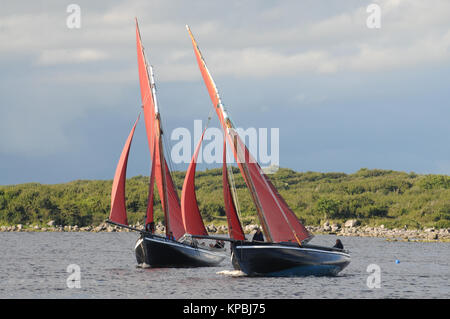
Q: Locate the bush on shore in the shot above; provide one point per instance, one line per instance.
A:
(374, 197)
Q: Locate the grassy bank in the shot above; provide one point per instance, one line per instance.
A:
(373, 197)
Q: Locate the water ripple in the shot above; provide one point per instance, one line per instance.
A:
(33, 265)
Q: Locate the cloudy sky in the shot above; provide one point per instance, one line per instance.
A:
(343, 95)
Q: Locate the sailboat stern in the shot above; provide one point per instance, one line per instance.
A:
(156, 251)
(283, 260)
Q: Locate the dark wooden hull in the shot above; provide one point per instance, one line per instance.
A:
(158, 252)
(272, 259)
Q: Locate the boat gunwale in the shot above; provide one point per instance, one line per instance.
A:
(277, 245)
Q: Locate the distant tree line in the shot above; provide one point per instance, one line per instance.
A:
(373, 196)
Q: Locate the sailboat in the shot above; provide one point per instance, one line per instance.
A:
(286, 251)
(177, 248)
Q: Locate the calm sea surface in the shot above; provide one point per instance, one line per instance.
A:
(34, 265)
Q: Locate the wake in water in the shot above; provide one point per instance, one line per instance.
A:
(231, 273)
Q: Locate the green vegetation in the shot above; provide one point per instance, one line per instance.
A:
(374, 197)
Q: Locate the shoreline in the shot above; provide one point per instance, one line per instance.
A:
(349, 229)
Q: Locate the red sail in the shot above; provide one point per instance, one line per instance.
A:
(163, 178)
(176, 221)
(192, 219)
(234, 225)
(151, 188)
(146, 93)
(277, 219)
(173, 208)
(281, 220)
(118, 213)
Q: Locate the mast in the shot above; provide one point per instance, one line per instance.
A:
(163, 174)
(151, 189)
(162, 160)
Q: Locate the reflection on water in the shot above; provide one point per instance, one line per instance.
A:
(33, 265)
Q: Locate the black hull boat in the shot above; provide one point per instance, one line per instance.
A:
(285, 251)
(286, 259)
(182, 218)
(158, 252)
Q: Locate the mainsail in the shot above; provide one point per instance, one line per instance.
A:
(167, 191)
(118, 213)
(277, 219)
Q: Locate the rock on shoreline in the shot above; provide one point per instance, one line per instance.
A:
(349, 228)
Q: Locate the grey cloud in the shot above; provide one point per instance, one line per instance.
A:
(54, 78)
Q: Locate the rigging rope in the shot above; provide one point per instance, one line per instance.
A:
(234, 190)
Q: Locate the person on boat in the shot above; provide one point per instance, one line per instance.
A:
(150, 227)
(338, 244)
(194, 243)
(258, 235)
(170, 236)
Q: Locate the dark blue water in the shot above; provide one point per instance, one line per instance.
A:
(34, 265)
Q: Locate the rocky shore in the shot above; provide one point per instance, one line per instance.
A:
(352, 228)
(349, 228)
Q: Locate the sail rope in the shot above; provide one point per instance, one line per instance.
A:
(234, 190)
(209, 118)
